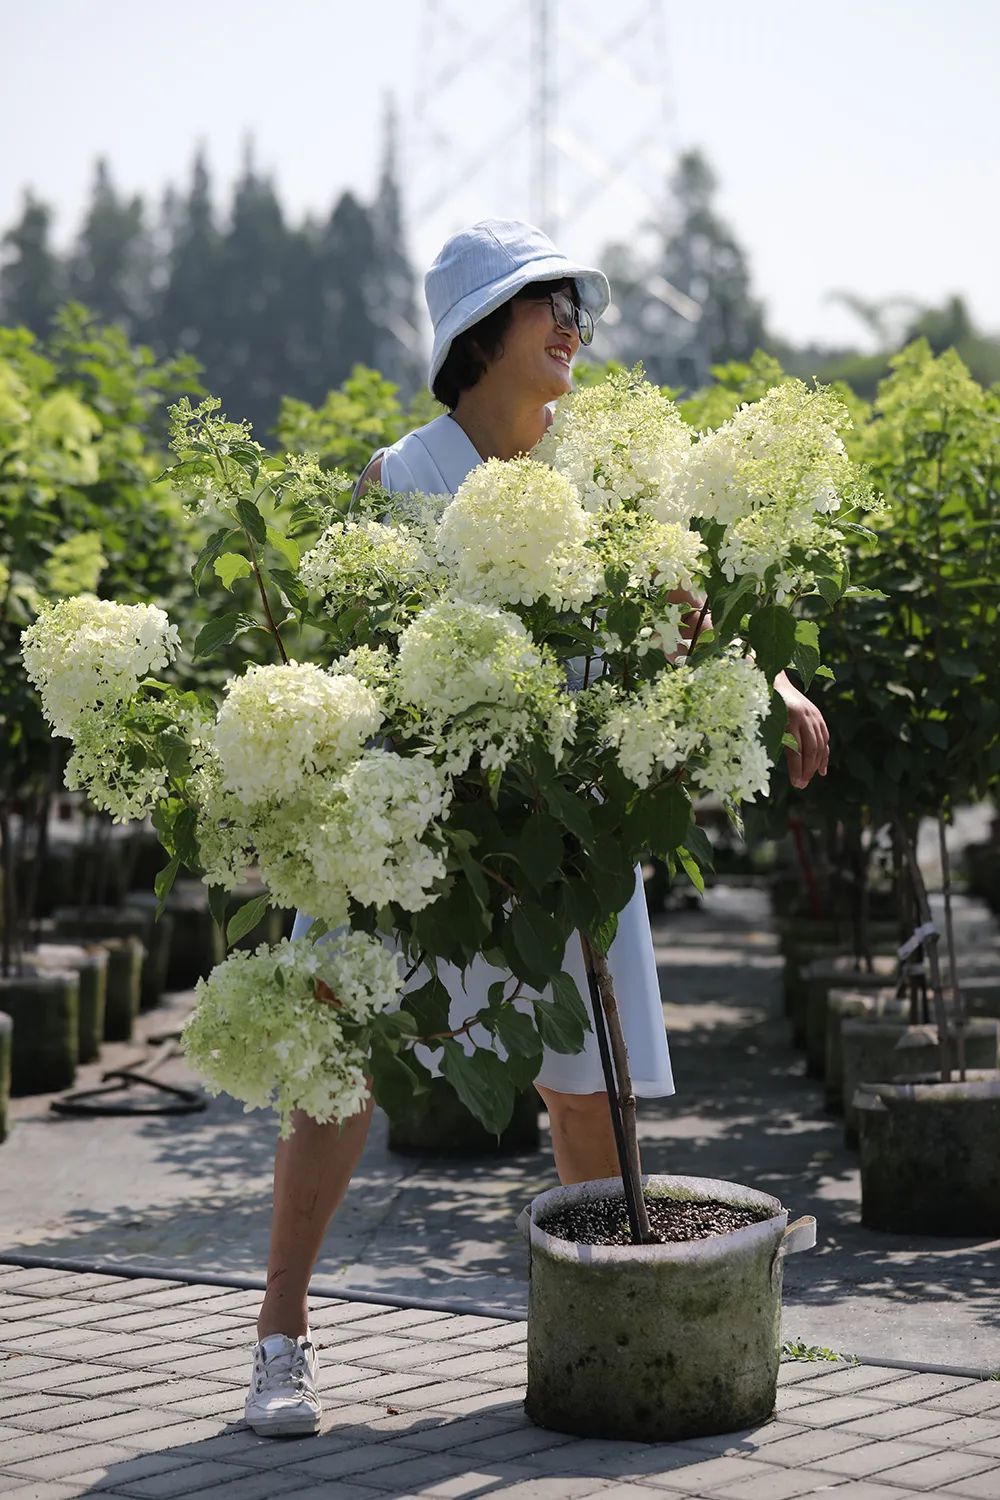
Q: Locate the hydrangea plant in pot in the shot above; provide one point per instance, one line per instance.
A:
(502, 717)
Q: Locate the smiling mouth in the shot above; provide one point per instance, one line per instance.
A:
(559, 353)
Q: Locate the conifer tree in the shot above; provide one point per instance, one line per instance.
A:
(32, 282)
(110, 267)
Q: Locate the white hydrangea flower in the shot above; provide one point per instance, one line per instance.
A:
(375, 666)
(706, 718)
(225, 840)
(620, 442)
(515, 533)
(280, 722)
(781, 452)
(756, 542)
(286, 835)
(358, 560)
(102, 767)
(654, 554)
(86, 653)
(266, 1030)
(371, 829)
(478, 683)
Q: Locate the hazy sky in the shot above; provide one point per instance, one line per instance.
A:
(857, 145)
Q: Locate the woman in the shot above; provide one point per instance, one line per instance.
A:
(509, 314)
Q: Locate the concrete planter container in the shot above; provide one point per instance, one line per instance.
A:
(126, 956)
(877, 1049)
(197, 944)
(98, 922)
(818, 979)
(45, 1011)
(930, 1155)
(657, 1343)
(851, 1005)
(91, 967)
(438, 1124)
(6, 1035)
(796, 977)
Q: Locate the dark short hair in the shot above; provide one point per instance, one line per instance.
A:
(476, 347)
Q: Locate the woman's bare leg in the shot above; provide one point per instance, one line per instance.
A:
(311, 1174)
(583, 1138)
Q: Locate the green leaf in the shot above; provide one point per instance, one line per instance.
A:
(474, 875)
(394, 1081)
(291, 586)
(691, 869)
(252, 520)
(959, 666)
(217, 542)
(482, 1082)
(569, 999)
(230, 566)
(516, 1030)
(604, 934)
(222, 630)
(935, 733)
(283, 544)
(774, 726)
(163, 881)
(430, 1007)
(218, 898)
(805, 652)
(771, 633)
(664, 813)
(540, 849)
(623, 619)
(538, 938)
(727, 601)
(698, 844)
(571, 812)
(246, 918)
(560, 1026)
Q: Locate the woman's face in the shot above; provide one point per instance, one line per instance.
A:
(537, 353)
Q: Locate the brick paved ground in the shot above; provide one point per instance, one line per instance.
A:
(135, 1387)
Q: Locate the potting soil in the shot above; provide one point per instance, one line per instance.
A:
(604, 1221)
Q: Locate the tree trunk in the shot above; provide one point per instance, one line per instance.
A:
(621, 1099)
(930, 947)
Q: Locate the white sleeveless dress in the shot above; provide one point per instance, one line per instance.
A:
(434, 460)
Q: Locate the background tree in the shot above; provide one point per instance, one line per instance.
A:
(688, 306)
(32, 282)
(111, 264)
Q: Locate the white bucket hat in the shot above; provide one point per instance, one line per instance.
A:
(481, 267)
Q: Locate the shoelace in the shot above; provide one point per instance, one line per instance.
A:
(292, 1366)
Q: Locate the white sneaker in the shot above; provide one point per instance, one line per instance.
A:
(282, 1400)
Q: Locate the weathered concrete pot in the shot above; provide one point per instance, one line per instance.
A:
(91, 965)
(818, 979)
(796, 977)
(6, 1034)
(656, 1343)
(197, 944)
(876, 1050)
(126, 956)
(438, 1124)
(851, 1005)
(981, 993)
(930, 1155)
(44, 1009)
(98, 922)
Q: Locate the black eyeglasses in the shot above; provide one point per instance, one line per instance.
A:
(568, 315)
